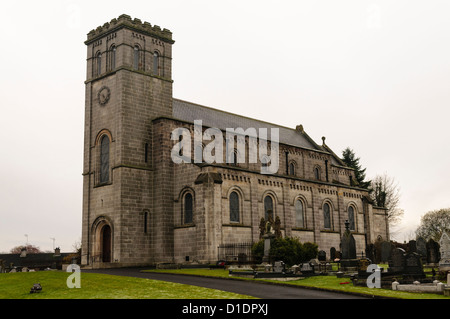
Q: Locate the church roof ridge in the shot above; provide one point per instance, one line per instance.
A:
(186, 110)
(234, 114)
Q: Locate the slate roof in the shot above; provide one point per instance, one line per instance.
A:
(211, 117)
(40, 260)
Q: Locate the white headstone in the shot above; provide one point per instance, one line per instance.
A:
(444, 243)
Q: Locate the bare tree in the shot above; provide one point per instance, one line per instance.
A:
(385, 193)
(433, 224)
(29, 248)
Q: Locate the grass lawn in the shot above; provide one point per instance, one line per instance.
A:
(100, 286)
(324, 282)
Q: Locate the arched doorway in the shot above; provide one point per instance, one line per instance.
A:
(106, 243)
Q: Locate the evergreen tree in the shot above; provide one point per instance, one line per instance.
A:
(350, 159)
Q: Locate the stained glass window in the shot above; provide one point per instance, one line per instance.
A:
(268, 207)
(136, 58)
(291, 169)
(113, 58)
(317, 173)
(155, 63)
(104, 160)
(326, 216)
(188, 208)
(99, 63)
(299, 219)
(234, 207)
(351, 217)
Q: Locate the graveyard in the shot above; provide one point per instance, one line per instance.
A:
(417, 266)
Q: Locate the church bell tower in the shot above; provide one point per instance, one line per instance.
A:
(128, 84)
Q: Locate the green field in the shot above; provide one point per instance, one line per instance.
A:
(99, 286)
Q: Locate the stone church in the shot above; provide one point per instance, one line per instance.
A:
(142, 207)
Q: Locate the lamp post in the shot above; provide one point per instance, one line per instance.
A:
(53, 242)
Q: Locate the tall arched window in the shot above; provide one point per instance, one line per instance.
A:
(268, 207)
(265, 161)
(188, 209)
(136, 57)
(291, 169)
(316, 173)
(98, 59)
(351, 217)
(299, 214)
(234, 207)
(155, 69)
(326, 216)
(113, 57)
(104, 159)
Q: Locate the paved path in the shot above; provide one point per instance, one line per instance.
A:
(255, 289)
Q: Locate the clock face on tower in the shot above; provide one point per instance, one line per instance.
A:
(103, 95)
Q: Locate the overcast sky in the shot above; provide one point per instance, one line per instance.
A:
(370, 75)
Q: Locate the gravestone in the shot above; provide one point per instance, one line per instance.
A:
(348, 244)
(408, 265)
(397, 261)
(307, 268)
(267, 238)
(278, 266)
(322, 256)
(432, 252)
(421, 247)
(377, 250)
(332, 253)
(412, 246)
(348, 249)
(295, 269)
(386, 249)
(363, 263)
(413, 267)
(444, 243)
(370, 253)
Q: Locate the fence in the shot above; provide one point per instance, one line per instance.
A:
(240, 253)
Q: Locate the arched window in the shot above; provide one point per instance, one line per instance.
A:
(104, 159)
(98, 59)
(155, 70)
(234, 207)
(188, 209)
(265, 161)
(268, 207)
(316, 173)
(351, 217)
(326, 216)
(113, 57)
(291, 169)
(299, 214)
(136, 57)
